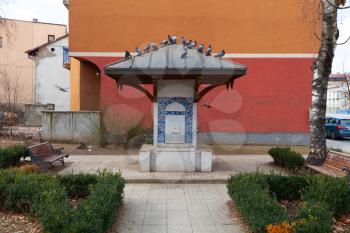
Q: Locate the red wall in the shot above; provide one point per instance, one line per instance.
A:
(274, 97)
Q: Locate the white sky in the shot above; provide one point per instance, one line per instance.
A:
(51, 11)
(54, 11)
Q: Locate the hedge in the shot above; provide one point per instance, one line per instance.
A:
(255, 196)
(11, 156)
(45, 197)
(287, 158)
(253, 201)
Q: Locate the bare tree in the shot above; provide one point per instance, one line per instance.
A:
(6, 26)
(321, 71)
(10, 91)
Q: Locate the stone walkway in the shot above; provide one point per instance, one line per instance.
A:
(224, 166)
(176, 208)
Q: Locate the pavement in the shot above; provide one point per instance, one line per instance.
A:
(176, 208)
(224, 166)
(343, 144)
(173, 202)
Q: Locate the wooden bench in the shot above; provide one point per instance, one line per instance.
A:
(336, 164)
(45, 155)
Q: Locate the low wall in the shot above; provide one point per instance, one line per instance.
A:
(33, 113)
(292, 139)
(71, 127)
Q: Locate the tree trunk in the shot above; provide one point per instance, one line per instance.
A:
(322, 69)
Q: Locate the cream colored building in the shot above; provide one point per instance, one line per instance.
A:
(338, 93)
(15, 39)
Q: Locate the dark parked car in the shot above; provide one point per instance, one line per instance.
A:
(337, 127)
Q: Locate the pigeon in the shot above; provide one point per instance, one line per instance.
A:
(172, 39)
(62, 89)
(153, 46)
(127, 55)
(184, 54)
(200, 48)
(220, 54)
(165, 42)
(209, 50)
(147, 48)
(138, 51)
(184, 41)
(192, 45)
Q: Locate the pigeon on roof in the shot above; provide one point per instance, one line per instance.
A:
(209, 50)
(147, 48)
(154, 46)
(184, 41)
(192, 45)
(220, 54)
(165, 42)
(200, 48)
(127, 55)
(138, 51)
(172, 39)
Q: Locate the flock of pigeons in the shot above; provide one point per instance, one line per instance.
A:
(171, 40)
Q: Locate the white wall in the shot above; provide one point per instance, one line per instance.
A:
(50, 75)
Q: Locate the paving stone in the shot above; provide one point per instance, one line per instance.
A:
(176, 216)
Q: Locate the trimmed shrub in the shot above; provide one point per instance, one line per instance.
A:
(255, 196)
(287, 187)
(11, 156)
(314, 217)
(287, 158)
(42, 195)
(78, 185)
(96, 213)
(333, 191)
(252, 199)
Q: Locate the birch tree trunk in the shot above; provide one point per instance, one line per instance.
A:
(322, 68)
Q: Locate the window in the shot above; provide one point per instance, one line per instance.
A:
(51, 38)
(66, 58)
(1, 42)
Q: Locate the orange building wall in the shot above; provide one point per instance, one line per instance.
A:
(255, 26)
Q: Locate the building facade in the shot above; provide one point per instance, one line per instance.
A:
(338, 93)
(275, 40)
(17, 70)
(52, 78)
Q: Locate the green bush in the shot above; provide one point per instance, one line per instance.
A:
(287, 158)
(43, 196)
(333, 191)
(255, 196)
(314, 217)
(253, 201)
(11, 156)
(78, 185)
(287, 187)
(96, 213)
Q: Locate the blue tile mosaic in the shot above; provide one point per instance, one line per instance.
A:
(163, 102)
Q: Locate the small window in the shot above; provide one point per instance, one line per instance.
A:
(51, 38)
(53, 50)
(1, 42)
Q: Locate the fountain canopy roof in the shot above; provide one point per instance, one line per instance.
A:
(166, 63)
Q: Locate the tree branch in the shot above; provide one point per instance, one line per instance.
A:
(331, 42)
(338, 7)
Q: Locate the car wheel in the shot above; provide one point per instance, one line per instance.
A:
(333, 137)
